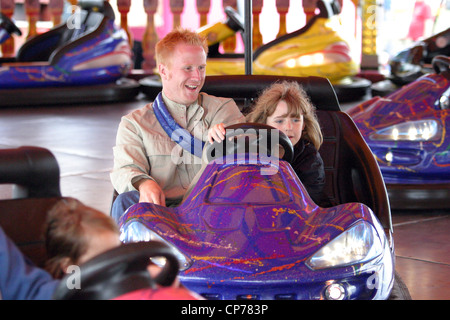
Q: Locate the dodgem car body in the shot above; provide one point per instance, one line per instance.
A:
(243, 234)
(86, 51)
(408, 132)
(317, 49)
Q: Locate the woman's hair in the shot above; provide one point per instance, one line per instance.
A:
(166, 46)
(68, 228)
(298, 104)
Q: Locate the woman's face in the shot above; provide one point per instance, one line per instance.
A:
(289, 125)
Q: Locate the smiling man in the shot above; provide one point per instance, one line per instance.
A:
(158, 147)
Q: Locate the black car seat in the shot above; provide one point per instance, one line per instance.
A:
(80, 27)
(34, 174)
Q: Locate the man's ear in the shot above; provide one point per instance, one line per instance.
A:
(163, 72)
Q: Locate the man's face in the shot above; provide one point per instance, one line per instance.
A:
(184, 77)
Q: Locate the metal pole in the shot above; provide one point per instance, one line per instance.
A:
(248, 43)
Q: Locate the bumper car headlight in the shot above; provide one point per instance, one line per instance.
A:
(358, 244)
(422, 130)
(136, 232)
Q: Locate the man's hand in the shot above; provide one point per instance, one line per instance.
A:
(150, 191)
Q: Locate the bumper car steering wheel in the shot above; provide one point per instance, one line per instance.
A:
(7, 28)
(255, 134)
(441, 64)
(119, 271)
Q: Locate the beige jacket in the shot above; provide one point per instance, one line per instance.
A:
(144, 150)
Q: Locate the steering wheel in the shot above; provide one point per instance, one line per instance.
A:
(231, 144)
(407, 65)
(441, 63)
(7, 24)
(119, 271)
(234, 20)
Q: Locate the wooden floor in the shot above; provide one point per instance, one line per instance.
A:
(82, 136)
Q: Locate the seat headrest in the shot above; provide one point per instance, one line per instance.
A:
(35, 170)
(319, 90)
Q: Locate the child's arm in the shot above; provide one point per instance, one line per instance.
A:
(216, 133)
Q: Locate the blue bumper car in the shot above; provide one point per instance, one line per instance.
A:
(85, 59)
(247, 228)
(409, 133)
